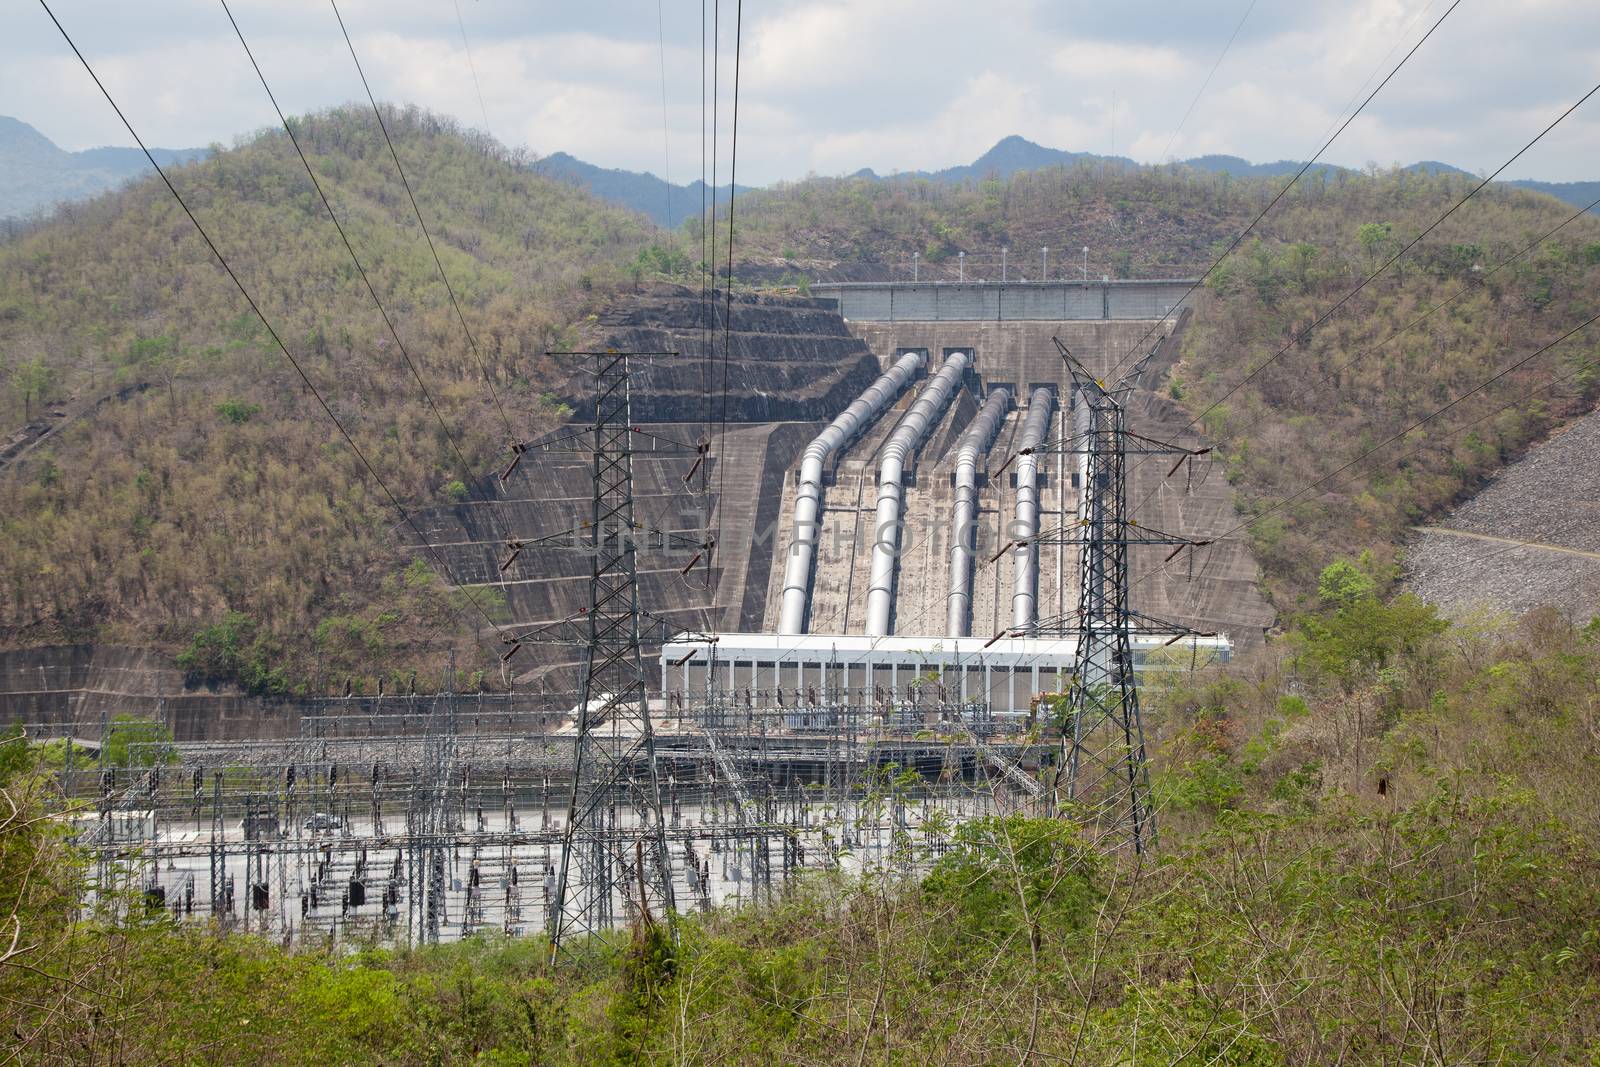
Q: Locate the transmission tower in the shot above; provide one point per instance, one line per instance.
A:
(1107, 779)
(614, 841)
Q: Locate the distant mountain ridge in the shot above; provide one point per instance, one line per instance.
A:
(1010, 155)
(36, 175)
(644, 193)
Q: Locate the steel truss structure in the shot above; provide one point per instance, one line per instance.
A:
(430, 818)
(1106, 777)
(615, 836)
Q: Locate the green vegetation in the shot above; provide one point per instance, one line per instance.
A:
(237, 411)
(221, 493)
(1368, 374)
(1380, 844)
(1159, 222)
(137, 743)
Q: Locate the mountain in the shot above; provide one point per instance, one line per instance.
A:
(175, 423)
(36, 175)
(1013, 154)
(1010, 155)
(1578, 194)
(644, 193)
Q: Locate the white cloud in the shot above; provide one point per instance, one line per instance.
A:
(833, 86)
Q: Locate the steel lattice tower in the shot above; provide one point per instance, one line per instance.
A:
(1107, 777)
(614, 832)
(1104, 736)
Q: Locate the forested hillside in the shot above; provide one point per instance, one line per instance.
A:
(216, 493)
(1469, 305)
(1158, 222)
(1506, 274)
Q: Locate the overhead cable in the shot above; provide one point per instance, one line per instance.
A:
(256, 308)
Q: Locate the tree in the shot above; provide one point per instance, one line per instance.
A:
(1372, 236)
(32, 381)
(1343, 583)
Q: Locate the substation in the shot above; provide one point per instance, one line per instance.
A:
(914, 576)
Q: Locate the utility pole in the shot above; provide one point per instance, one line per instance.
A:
(961, 263)
(1085, 262)
(1003, 251)
(1044, 264)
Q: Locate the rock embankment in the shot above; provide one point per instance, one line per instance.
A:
(1530, 538)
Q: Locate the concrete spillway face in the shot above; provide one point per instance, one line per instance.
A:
(905, 440)
(1025, 517)
(964, 526)
(856, 419)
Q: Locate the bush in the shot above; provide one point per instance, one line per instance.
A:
(235, 649)
(237, 411)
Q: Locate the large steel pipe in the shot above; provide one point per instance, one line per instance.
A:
(964, 525)
(862, 413)
(1025, 517)
(907, 437)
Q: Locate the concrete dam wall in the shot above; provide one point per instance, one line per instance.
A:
(791, 365)
(986, 301)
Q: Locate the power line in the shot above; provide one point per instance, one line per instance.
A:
(466, 466)
(293, 362)
(1524, 361)
(709, 356)
(1524, 398)
(1398, 41)
(387, 321)
(1203, 85)
(727, 318)
(471, 341)
(473, 67)
(705, 254)
(666, 140)
(1297, 338)
(1418, 320)
(1137, 345)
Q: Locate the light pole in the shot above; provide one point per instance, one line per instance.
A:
(961, 265)
(1003, 251)
(916, 266)
(1085, 262)
(1044, 264)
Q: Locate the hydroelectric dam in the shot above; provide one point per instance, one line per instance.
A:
(897, 483)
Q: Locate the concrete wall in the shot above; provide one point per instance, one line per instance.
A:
(1003, 301)
(74, 689)
(792, 365)
(1219, 592)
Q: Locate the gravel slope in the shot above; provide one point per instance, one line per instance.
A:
(1551, 496)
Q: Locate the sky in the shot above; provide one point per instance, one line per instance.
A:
(830, 87)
